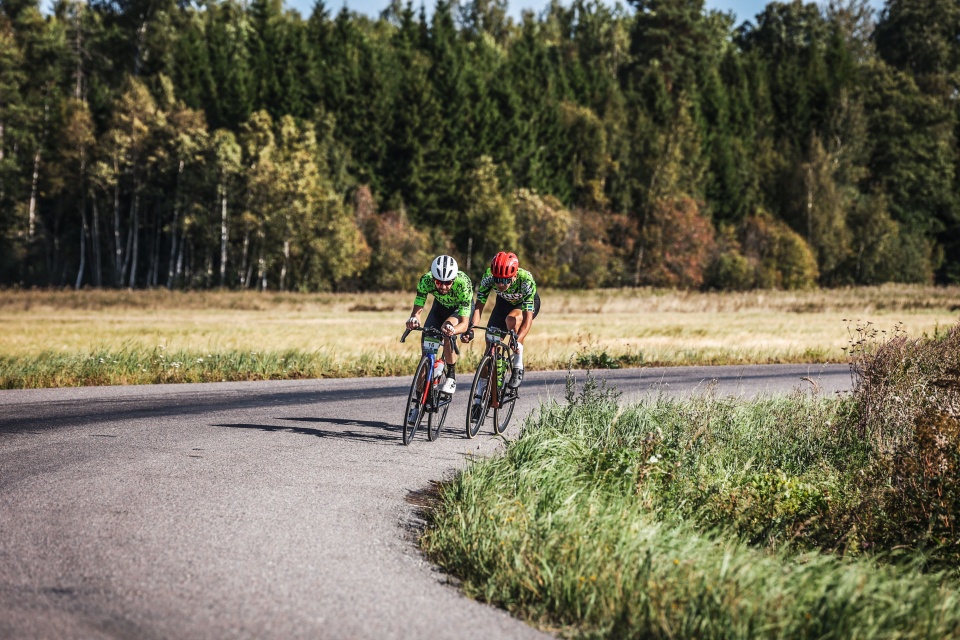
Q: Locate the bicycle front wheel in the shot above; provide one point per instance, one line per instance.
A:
(480, 392)
(506, 399)
(414, 409)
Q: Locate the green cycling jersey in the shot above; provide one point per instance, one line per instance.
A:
(520, 294)
(460, 296)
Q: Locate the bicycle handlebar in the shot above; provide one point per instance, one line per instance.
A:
(501, 332)
(431, 331)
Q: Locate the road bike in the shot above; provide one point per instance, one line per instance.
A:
(490, 389)
(425, 397)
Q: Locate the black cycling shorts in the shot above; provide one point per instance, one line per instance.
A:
(440, 313)
(498, 317)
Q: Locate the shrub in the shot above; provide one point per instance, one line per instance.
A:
(678, 240)
(783, 259)
(907, 406)
(541, 250)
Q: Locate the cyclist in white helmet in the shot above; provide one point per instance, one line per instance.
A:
(452, 307)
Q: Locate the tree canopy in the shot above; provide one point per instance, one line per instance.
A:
(242, 145)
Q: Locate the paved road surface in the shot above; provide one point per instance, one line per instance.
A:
(253, 510)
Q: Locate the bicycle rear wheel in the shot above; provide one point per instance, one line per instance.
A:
(435, 419)
(480, 392)
(414, 409)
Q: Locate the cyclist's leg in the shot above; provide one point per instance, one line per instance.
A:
(514, 316)
(496, 319)
(515, 320)
(440, 314)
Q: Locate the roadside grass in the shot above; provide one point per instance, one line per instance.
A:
(135, 366)
(58, 338)
(715, 517)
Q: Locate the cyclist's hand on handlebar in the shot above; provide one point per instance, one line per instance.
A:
(467, 336)
(447, 329)
(412, 323)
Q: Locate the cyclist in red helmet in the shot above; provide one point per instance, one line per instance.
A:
(518, 303)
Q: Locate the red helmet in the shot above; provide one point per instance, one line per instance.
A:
(504, 265)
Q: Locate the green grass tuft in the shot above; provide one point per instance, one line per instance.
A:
(711, 517)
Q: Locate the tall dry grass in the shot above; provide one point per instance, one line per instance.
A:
(51, 332)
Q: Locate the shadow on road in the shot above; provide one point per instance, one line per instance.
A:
(392, 435)
(447, 429)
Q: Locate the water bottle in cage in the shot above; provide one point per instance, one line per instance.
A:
(439, 368)
(501, 368)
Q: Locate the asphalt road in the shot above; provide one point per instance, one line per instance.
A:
(256, 510)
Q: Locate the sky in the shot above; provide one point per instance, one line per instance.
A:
(742, 9)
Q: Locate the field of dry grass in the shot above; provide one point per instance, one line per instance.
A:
(590, 328)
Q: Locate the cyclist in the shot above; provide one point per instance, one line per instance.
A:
(452, 292)
(518, 303)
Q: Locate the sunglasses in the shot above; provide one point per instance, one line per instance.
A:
(442, 283)
(502, 281)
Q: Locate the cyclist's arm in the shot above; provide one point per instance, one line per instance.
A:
(477, 312)
(528, 305)
(460, 324)
(484, 288)
(414, 316)
(423, 290)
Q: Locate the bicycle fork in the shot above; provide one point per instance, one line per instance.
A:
(429, 382)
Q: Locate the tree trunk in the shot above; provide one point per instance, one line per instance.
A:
(2, 130)
(179, 271)
(809, 208)
(209, 273)
(174, 227)
(155, 258)
(136, 240)
(262, 269)
(286, 264)
(84, 231)
(97, 265)
(32, 209)
(36, 171)
(133, 243)
(83, 251)
(141, 40)
(78, 43)
(243, 272)
(117, 246)
(223, 235)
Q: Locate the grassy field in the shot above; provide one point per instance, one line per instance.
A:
(713, 517)
(54, 338)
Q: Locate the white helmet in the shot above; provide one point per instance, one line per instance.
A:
(444, 268)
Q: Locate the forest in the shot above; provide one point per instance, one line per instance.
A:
(241, 145)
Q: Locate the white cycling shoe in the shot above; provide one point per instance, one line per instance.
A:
(449, 386)
(516, 378)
